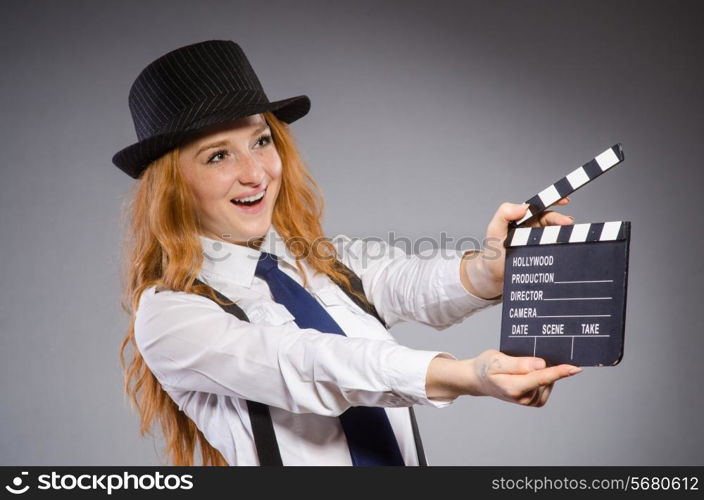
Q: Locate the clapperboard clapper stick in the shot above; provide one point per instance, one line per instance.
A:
(571, 183)
(565, 286)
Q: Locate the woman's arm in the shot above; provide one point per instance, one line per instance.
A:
(191, 344)
(424, 288)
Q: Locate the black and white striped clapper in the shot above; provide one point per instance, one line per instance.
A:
(572, 182)
(565, 293)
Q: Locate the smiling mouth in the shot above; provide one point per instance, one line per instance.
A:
(250, 201)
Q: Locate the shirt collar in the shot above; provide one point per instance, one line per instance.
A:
(238, 262)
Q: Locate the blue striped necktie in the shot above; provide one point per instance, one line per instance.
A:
(369, 435)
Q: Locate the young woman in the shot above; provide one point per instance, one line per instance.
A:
(256, 338)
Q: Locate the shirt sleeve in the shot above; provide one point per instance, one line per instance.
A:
(191, 344)
(425, 287)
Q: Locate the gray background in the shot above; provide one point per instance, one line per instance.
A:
(425, 116)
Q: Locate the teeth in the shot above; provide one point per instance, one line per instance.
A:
(250, 198)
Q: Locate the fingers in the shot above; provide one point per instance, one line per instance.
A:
(545, 395)
(545, 377)
(532, 398)
(518, 379)
(550, 218)
(514, 365)
(507, 212)
(540, 396)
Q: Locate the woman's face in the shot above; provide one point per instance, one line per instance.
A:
(225, 164)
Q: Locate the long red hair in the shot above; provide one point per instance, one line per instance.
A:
(162, 248)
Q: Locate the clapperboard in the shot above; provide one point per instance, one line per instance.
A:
(565, 286)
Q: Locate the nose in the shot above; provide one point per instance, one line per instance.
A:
(251, 171)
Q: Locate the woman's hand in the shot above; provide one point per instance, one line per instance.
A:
(482, 272)
(521, 380)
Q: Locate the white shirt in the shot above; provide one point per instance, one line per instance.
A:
(210, 362)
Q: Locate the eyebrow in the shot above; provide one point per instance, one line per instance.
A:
(224, 142)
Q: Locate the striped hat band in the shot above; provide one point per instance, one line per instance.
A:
(189, 89)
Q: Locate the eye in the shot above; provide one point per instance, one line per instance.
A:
(218, 153)
(264, 140)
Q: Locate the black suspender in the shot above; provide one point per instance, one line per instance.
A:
(259, 416)
(416, 437)
(262, 426)
(264, 436)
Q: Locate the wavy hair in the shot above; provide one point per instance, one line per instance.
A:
(161, 248)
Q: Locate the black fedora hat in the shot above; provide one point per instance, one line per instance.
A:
(191, 88)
